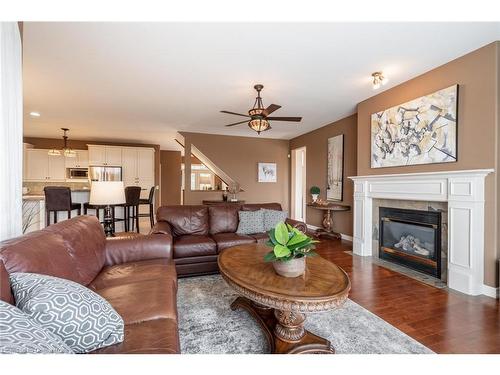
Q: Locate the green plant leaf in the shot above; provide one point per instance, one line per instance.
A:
(270, 257)
(281, 233)
(272, 237)
(297, 237)
(281, 251)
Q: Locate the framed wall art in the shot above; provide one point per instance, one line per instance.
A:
(335, 178)
(267, 172)
(421, 131)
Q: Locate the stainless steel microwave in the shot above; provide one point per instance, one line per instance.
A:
(77, 173)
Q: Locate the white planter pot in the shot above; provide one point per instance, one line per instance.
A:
(314, 197)
(292, 268)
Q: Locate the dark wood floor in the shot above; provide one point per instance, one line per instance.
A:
(444, 321)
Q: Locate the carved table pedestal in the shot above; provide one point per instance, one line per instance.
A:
(279, 304)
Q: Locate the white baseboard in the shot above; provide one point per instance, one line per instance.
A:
(490, 291)
(342, 235)
(345, 237)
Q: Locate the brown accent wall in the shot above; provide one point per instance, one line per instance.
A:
(48, 143)
(316, 143)
(238, 158)
(476, 74)
(497, 187)
(171, 175)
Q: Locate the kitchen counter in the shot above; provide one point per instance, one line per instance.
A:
(33, 197)
(75, 195)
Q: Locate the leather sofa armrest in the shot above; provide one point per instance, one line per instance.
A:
(124, 250)
(297, 224)
(161, 227)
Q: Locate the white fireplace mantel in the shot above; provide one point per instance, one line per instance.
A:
(464, 193)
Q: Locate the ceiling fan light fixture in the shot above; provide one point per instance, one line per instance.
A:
(259, 125)
(256, 111)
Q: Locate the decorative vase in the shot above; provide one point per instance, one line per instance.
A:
(291, 268)
(314, 197)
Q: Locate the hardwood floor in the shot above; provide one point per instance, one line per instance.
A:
(442, 320)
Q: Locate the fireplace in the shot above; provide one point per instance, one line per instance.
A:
(411, 238)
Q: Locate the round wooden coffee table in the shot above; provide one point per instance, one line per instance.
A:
(279, 303)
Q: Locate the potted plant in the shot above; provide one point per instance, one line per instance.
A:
(315, 193)
(290, 249)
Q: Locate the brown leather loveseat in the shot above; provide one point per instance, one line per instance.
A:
(199, 233)
(136, 275)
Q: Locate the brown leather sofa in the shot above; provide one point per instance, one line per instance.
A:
(199, 233)
(136, 275)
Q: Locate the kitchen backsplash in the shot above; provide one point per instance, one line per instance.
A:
(35, 188)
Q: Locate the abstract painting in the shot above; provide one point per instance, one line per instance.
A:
(421, 131)
(267, 172)
(335, 180)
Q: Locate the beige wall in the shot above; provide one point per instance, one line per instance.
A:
(497, 187)
(238, 158)
(476, 74)
(316, 143)
(170, 164)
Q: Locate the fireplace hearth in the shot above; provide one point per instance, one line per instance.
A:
(411, 238)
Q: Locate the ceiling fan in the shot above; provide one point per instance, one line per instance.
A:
(259, 116)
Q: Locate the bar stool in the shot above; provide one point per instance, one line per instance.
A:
(149, 201)
(132, 198)
(58, 198)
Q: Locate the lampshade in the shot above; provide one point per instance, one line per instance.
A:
(103, 193)
(259, 125)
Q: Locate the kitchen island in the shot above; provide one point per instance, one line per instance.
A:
(34, 209)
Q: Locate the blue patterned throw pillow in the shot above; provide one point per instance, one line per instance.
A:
(21, 335)
(251, 222)
(273, 217)
(82, 319)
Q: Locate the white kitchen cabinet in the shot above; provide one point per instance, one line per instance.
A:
(145, 164)
(129, 166)
(40, 166)
(37, 164)
(80, 161)
(138, 168)
(105, 155)
(57, 170)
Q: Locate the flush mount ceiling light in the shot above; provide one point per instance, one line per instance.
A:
(66, 151)
(378, 79)
(35, 114)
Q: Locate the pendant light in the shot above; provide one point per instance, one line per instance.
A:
(66, 151)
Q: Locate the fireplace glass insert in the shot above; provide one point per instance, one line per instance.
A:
(411, 238)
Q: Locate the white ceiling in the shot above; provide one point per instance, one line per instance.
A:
(143, 82)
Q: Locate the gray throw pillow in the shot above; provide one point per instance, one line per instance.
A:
(21, 335)
(80, 317)
(273, 217)
(251, 222)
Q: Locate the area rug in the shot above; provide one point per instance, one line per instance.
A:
(207, 325)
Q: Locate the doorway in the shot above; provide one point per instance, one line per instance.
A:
(298, 211)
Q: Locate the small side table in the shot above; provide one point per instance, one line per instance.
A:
(327, 230)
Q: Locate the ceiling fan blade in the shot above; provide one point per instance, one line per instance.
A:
(293, 119)
(237, 123)
(234, 113)
(270, 109)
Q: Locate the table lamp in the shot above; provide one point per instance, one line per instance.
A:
(107, 193)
